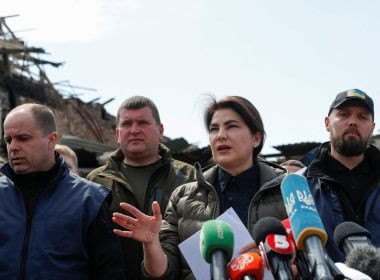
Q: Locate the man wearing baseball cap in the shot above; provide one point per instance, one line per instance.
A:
(344, 177)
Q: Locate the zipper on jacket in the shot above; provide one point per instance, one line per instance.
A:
(28, 229)
(250, 205)
(25, 245)
(216, 212)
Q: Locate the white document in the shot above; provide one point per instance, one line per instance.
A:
(190, 248)
(353, 274)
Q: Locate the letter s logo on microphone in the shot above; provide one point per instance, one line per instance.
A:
(280, 243)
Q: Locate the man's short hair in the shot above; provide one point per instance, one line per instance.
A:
(42, 114)
(138, 102)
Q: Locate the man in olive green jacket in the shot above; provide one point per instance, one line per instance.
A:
(141, 170)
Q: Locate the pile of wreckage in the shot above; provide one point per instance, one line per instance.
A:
(86, 127)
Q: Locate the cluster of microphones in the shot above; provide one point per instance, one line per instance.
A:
(295, 244)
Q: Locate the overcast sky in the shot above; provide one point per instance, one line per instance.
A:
(289, 58)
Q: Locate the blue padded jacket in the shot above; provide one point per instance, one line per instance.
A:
(48, 243)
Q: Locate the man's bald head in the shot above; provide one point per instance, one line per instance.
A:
(43, 116)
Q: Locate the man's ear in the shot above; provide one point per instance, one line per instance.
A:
(52, 139)
(373, 127)
(327, 123)
(161, 129)
(117, 133)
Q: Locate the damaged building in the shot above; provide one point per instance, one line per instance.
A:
(86, 127)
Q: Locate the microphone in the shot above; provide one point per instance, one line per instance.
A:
(247, 266)
(286, 224)
(349, 236)
(277, 249)
(361, 255)
(366, 260)
(300, 260)
(217, 246)
(309, 233)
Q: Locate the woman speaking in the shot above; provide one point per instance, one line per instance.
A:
(239, 179)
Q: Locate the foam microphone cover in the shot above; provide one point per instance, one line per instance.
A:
(216, 235)
(365, 259)
(265, 226)
(302, 213)
(249, 263)
(346, 229)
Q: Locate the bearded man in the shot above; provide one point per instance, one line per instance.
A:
(344, 177)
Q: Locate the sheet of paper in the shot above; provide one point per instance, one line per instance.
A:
(191, 250)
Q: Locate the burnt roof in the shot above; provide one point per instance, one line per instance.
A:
(296, 149)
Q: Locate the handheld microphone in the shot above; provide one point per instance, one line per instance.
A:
(349, 236)
(361, 255)
(217, 246)
(309, 233)
(366, 260)
(286, 224)
(277, 249)
(247, 266)
(300, 260)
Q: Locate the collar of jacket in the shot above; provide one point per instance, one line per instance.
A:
(316, 168)
(270, 174)
(45, 177)
(112, 166)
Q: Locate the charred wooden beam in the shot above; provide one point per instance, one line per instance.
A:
(108, 101)
(21, 50)
(93, 100)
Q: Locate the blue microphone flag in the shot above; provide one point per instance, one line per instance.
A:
(302, 213)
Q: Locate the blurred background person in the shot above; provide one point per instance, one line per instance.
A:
(292, 165)
(69, 156)
(2, 162)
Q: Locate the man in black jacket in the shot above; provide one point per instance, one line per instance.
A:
(53, 224)
(344, 176)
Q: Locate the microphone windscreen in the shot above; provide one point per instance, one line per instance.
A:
(346, 229)
(302, 213)
(365, 259)
(249, 263)
(216, 235)
(266, 226)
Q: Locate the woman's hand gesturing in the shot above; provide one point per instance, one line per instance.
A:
(140, 227)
